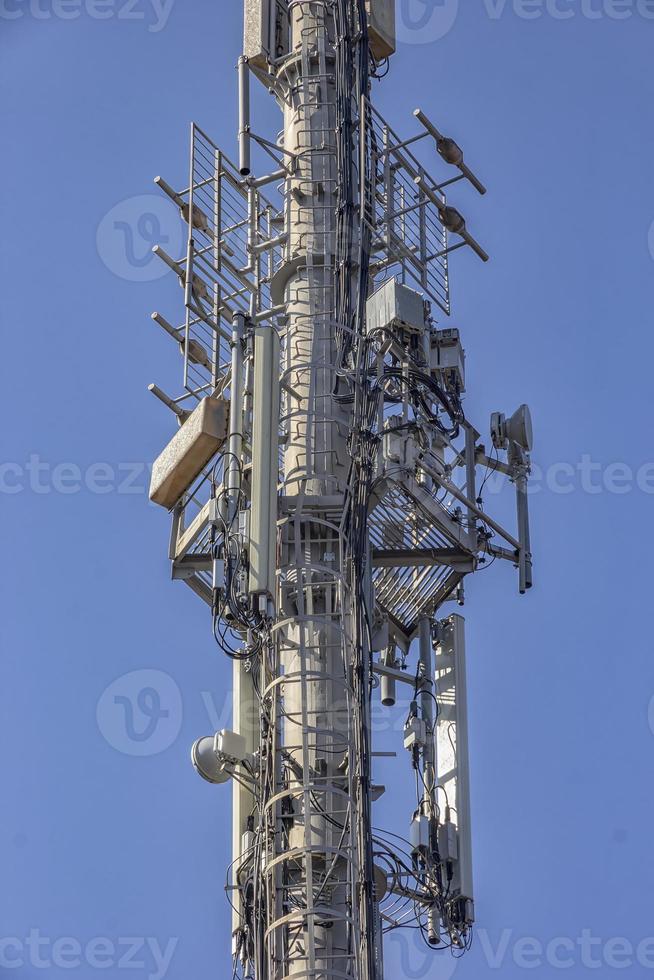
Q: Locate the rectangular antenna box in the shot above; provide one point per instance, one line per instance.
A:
(381, 27)
(448, 358)
(231, 744)
(189, 451)
(267, 33)
(396, 307)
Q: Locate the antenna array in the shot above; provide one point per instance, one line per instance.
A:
(325, 495)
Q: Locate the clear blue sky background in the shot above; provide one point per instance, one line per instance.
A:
(556, 115)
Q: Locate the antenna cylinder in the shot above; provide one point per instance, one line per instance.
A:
(244, 160)
(265, 462)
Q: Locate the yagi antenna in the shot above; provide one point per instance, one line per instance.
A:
(450, 151)
(452, 219)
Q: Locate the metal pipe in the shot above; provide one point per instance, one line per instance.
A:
(471, 480)
(426, 672)
(524, 563)
(267, 314)
(388, 681)
(253, 228)
(454, 490)
(234, 465)
(265, 464)
(268, 178)
(244, 132)
(244, 710)
(271, 243)
(426, 695)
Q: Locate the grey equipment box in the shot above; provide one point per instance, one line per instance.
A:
(394, 306)
(381, 28)
(266, 33)
(189, 451)
(448, 359)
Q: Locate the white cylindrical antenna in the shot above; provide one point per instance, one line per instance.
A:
(167, 189)
(243, 116)
(196, 352)
(175, 266)
(433, 927)
(168, 327)
(387, 684)
(387, 691)
(181, 413)
(452, 762)
(234, 467)
(265, 463)
(200, 219)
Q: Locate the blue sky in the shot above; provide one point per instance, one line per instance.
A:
(552, 103)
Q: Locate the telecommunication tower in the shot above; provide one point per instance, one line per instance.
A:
(325, 494)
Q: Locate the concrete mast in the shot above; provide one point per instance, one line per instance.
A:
(321, 935)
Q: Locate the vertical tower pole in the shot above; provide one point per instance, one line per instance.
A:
(315, 925)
